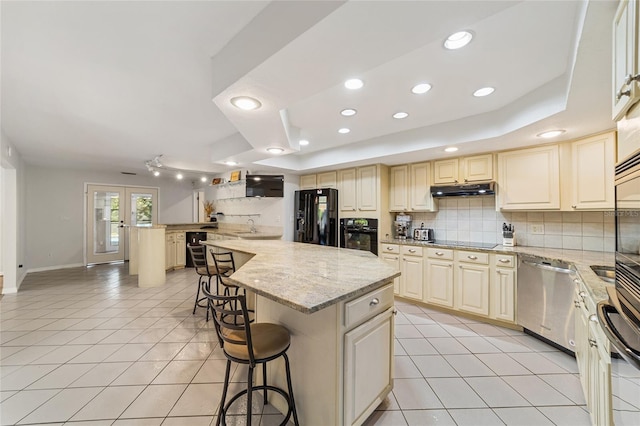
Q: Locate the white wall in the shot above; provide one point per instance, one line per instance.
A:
(55, 210)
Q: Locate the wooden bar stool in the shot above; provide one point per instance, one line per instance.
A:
(249, 343)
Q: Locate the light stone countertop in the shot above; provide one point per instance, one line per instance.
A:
(581, 261)
(306, 277)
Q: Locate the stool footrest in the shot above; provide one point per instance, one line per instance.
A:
(278, 390)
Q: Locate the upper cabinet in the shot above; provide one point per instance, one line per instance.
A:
(360, 190)
(409, 188)
(626, 58)
(347, 190)
(320, 180)
(592, 173)
(308, 182)
(398, 188)
(367, 188)
(466, 169)
(529, 179)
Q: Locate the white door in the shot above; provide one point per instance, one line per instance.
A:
(111, 210)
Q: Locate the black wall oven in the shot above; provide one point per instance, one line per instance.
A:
(359, 234)
(619, 317)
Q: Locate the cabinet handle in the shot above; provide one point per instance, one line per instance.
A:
(576, 303)
(593, 343)
(621, 93)
(593, 318)
(390, 248)
(439, 253)
(472, 257)
(574, 207)
(629, 78)
(412, 251)
(374, 302)
(504, 260)
(466, 180)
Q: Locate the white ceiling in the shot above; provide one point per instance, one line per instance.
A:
(109, 85)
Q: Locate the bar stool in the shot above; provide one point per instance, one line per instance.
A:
(205, 273)
(224, 263)
(249, 343)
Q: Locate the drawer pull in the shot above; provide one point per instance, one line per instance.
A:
(439, 253)
(374, 302)
(504, 260)
(390, 248)
(412, 251)
(576, 303)
(472, 257)
(593, 318)
(593, 343)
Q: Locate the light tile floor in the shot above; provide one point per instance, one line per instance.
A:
(86, 346)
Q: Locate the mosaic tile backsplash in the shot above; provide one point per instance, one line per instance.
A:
(476, 220)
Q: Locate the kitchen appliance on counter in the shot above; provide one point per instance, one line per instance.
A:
(402, 227)
(619, 317)
(316, 213)
(359, 234)
(545, 300)
(423, 234)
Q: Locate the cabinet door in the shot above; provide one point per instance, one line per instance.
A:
(181, 250)
(478, 168)
(599, 399)
(593, 164)
(582, 345)
(420, 187)
(347, 189)
(308, 182)
(529, 179)
(393, 260)
(327, 180)
(439, 282)
(398, 188)
(367, 367)
(367, 189)
(472, 289)
(170, 252)
(625, 58)
(445, 171)
(503, 295)
(411, 278)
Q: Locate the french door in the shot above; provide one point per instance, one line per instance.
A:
(111, 211)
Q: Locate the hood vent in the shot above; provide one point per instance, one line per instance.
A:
(466, 190)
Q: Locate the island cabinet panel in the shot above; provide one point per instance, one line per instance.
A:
(529, 179)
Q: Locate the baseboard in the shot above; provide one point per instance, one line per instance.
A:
(53, 268)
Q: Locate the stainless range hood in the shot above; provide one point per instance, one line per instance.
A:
(465, 190)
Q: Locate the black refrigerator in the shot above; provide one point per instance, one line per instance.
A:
(316, 213)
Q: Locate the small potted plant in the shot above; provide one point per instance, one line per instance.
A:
(208, 209)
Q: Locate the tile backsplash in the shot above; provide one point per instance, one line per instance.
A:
(475, 219)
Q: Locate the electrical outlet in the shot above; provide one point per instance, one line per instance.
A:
(536, 228)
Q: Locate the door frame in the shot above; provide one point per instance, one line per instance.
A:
(154, 220)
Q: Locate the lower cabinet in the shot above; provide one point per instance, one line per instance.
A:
(438, 277)
(593, 358)
(503, 287)
(411, 272)
(175, 250)
(181, 250)
(472, 283)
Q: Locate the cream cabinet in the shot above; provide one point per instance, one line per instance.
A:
(529, 179)
(181, 250)
(592, 173)
(593, 358)
(411, 269)
(472, 283)
(465, 169)
(308, 182)
(327, 180)
(502, 293)
(347, 190)
(398, 188)
(390, 253)
(175, 250)
(420, 187)
(626, 58)
(359, 190)
(367, 188)
(438, 277)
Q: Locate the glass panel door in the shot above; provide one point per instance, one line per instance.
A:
(105, 221)
(142, 211)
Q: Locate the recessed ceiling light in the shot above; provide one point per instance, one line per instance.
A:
(451, 149)
(203, 179)
(348, 112)
(246, 103)
(179, 176)
(353, 83)
(550, 134)
(421, 88)
(400, 115)
(344, 130)
(156, 173)
(230, 163)
(275, 150)
(458, 40)
(303, 142)
(483, 92)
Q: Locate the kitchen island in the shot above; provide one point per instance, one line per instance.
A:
(338, 306)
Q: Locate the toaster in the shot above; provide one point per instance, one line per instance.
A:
(423, 234)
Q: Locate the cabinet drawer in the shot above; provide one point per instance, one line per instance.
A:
(391, 248)
(411, 251)
(473, 257)
(180, 237)
(504, 261)
(368, 305)
(171, 237)
(438, 253)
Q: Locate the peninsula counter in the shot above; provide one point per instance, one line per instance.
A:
(338, 306)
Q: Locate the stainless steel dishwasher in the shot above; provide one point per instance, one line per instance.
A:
(545, 300)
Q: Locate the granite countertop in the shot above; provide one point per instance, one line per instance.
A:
(581, 260)
(306, 277)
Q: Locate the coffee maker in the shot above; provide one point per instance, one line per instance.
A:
(402, 227)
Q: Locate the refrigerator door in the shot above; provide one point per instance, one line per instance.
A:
(316, 217)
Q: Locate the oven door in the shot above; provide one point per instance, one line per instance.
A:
(624, 336)
(361, 240)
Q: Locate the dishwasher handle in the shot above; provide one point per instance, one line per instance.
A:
(547, 267)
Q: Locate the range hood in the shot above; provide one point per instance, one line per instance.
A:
(465, 190)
